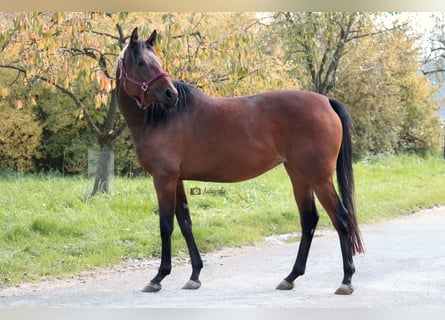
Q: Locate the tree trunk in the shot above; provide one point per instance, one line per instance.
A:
(106, 139)
(104, 170)
(443, 130)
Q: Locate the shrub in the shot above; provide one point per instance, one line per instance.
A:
(20, 139)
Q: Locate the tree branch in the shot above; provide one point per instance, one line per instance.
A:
(92, 53)
(90, 121)
(438, 70)
(105, 34)
(62, 89)
(121, 36)
(6, 66)
(116, 133)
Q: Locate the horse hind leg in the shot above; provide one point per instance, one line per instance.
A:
(308, 219)
(339, 217)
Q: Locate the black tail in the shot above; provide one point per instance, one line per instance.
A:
(345, 176)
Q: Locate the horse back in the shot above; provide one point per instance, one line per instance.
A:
(233, 139)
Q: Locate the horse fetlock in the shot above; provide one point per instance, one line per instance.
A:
(165, 268)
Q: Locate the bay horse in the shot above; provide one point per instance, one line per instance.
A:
(180, 133)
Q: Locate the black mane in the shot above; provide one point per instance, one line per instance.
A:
(156, 114)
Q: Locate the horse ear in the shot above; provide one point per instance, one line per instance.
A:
(134, 35)
(152, 38)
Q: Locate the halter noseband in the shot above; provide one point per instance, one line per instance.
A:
(142, 85)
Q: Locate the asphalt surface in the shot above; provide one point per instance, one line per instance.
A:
(404, 266)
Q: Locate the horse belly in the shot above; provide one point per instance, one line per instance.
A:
(231, 164)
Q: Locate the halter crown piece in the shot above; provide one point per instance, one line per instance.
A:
(123, 75)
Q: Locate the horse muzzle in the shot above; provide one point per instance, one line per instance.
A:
(168, 98)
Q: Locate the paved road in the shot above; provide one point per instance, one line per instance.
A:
(404, 267)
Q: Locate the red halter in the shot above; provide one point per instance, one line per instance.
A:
(143, 85)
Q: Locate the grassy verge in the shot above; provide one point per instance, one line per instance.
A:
(47, 229)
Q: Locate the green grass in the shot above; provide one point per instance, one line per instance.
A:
(47, 229)
(388, 187)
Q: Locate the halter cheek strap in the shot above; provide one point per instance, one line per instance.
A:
(123, 75)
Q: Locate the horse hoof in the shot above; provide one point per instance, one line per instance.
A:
(345, 289)
(152, 287)
(285, 285)
(192, 285)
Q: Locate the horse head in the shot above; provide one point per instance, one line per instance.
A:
(140, 70)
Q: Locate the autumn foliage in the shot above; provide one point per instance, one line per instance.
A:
(58, 76)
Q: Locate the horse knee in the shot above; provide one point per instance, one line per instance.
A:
(166, 230)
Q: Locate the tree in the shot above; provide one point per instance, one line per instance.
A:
(65, 137)
(20, 135)
(371, 68)
(316, 42)
(223, 54)
(76, 54)
(391, 102)
(19, 140)
(69, 55)
(434, 55)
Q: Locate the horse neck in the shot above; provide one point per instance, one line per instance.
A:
(133, 115)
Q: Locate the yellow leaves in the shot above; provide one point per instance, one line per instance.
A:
(53, 79)
(100, 99)
(116, 19)
(19, 104)
(58, 17)
(4, 92)
(69, 29)
(43, 43)
(106, 84)
(211, 50)
(231, 41)
(66, 83)
(196, 75)
(104, 99)
(29, 58)
(4, 36)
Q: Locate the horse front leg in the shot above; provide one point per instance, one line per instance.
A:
(185, 223)
(166, 192)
